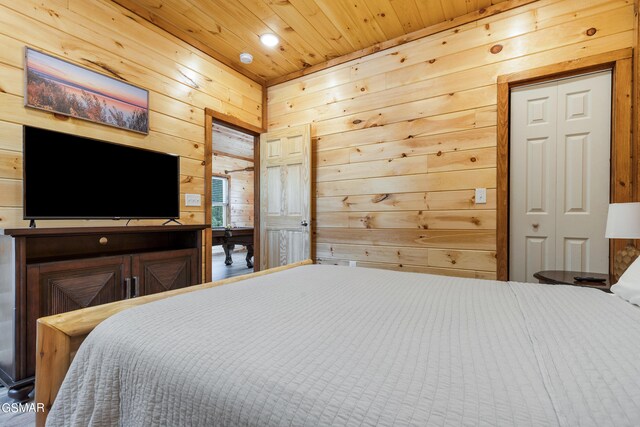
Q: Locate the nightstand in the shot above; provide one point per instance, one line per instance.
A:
(557, 277)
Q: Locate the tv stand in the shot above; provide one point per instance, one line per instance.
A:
(46, 271)
(170, 221)
(32, 223)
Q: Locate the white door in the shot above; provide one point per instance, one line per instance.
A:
(559, 176)
(285, 196)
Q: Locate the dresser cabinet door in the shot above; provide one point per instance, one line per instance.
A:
(58, 287)
(163, 271)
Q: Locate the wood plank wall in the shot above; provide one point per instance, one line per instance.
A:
(103, 36)
(402, 137)
(241, 188)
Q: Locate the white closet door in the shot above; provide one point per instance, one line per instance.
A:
(532, 181)
(584, 147)
(559, 179)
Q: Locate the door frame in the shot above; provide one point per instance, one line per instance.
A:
(209, 117)
(622, 147)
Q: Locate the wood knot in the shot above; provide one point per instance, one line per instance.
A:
(362, 89)
(475, 220)
(487, 26)
(403, 155)
(439, 153)
(622, 183)
(496, 48)
(402, 60)
(482, 11)
(473, 159)
(431, 61)
(357, 122)
(453, 261)
(382, 15)
(591, 31)
(379, 198)
(195, 146)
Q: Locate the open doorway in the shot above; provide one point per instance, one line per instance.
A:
(232, 199)
(232, 202)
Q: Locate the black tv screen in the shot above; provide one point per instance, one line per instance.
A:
(68, 176)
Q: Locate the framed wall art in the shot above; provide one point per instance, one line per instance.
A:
(53, 84)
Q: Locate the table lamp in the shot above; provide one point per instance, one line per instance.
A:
(623, 222)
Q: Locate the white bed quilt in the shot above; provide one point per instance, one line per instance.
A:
(325, 345)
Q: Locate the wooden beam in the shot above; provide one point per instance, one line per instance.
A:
(406, 38)
(235, 156)
(167, 26)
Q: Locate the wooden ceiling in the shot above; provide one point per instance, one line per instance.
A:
(232, 143)
(311, 31)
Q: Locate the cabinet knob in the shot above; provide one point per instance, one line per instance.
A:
(103, 241)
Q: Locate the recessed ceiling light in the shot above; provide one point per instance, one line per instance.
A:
(246, 58)
(269, 39)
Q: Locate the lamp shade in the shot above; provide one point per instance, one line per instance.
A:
(623, 221)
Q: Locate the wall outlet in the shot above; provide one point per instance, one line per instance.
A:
(192, 200)
(353, 264)
(481, 196)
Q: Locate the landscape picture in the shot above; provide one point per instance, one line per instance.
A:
(56, 85)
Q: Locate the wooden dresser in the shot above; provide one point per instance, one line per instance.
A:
(45, 271)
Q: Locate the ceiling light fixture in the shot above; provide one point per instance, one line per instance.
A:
(246, 58)
(269, 39)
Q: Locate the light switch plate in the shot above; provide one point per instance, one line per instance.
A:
(481, 196)
(352, 264)
(192, 200)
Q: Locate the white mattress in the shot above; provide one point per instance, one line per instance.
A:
(325, 345)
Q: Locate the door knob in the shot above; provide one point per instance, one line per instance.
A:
(535, 226)
(304, 223)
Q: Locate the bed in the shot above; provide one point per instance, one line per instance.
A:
(328, 345)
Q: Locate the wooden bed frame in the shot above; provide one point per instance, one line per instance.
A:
(60, 336)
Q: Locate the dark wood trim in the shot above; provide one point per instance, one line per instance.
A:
(622, 148)
(636, 101)
(256, 201)
(405, 38)
(237, 124)
(502, 191)
(234, 122)
(568, 68)
(167, 26)
(208, 165)
(70, 231)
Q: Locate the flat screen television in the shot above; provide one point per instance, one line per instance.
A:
(72, 177)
